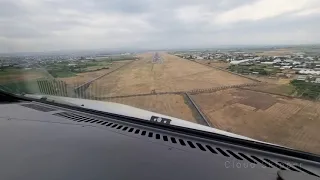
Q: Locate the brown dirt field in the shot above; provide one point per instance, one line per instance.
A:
(214, 63)
(277, 52)
(171, 105)
(285, 121)
(175, 74)
(282, 89)
(271, 80)
(264, 102)
(82, 78)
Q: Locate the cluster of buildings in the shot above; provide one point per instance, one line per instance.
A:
(28, 62)
(40, 61)
(307, 66)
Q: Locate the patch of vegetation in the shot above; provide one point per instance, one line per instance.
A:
(21, 87)
(60, 70)
(36, 86)
(194, 111)
(96, 68)
(15, 71)
(117, 58)
(239, 69)
(261, 69)
(306, 89)
(286, 89)
(61, 74)
(9, 71)
(67, 69)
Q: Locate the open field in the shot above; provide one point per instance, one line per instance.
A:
(17, 75)
(282, 89)
(21, 80)
(272, 80)
(116, 58)
(214, 63)
(82, 78)
(277, 119)
(171, 105)
(96, 68)
(174, 74)
(277, 52)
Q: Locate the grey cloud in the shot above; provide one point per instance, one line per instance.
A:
(275, 31)
(10, 9)
(110, 6)
(67, 24)
(16, 32)
(284, 24)
(214, 5)
(124, 6)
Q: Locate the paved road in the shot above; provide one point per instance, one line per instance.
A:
(157, 58)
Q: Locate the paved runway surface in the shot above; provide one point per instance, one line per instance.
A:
(157, 58)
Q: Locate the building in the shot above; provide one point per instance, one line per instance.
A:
(301, 78)
(317, 80)
(309, 71)
(288, 60)
(277, 60)
(240, 62)
(285, 67)
(267, 63)
(72, 65)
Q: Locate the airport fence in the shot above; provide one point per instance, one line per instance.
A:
(38, 86)
(53, 87)
(209, 90)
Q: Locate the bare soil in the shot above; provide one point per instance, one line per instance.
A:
(171, 105)
(214, 63)
(277, 52)
(82, 78)
(276, 119)
(281, 89)
(272, 80)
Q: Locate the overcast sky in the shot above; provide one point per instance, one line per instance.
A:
(46, 25)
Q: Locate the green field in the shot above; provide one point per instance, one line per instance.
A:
(63, 69)
(306, 89)
(10, 71)
(21, 87)
(18, 80)
(261, 69)
(12, 79)
(116, 58)
(15, 71)
(61, 74)
(38, 86)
